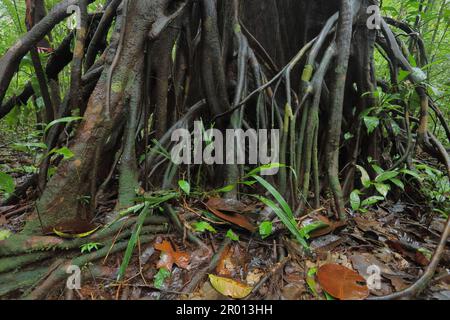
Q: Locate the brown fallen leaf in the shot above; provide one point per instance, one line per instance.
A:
(342, 283)
(229, 287)
(170, 256)
(409, 252)
(332, 226)
(229, 205)
(234, 218)
(225, 265)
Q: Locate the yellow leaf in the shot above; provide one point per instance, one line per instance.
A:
(73, 236)
(229, 287)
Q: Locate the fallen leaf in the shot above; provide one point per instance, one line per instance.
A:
(234, 218)
(326, 243)
(342, 283)
(225, 267)
(170, 256)
(293, 291)
(254, 276)
(332, 226)
(409, 252)
(229, 287)
(229, 205)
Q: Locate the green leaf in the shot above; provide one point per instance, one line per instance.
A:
(64, 151)
(355, 200)
(398, 183)
(231, 235)
(310, 280)
(268, 166)
(27, 146)
(161, 277)
(386, 176)
(365, 179)
(276, 195)
(371, 200)
(185, 186)
(288, 222)
(265, 229)
(306, 230)
(382, 188)
(6, 183)
(61, 120)
(225, 189)
(348, 136)
(4, 234)
(411, 173)
(377, 169)
(202, 226)
(132, 242)
(371, 123)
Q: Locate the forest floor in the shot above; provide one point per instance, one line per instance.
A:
(398, 238)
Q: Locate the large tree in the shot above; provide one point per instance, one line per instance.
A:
(305, 67)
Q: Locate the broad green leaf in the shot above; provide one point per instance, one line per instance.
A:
(382, 188)
(231, 235)
(4, 234)
(62, 120)
(6, 183)
(377, 169)
(225, 189)
(306, 230)
(398, 183)
(371, 123)
(265, 229)
(411, 173)
(64, 151)
(202, 226)
(371, 200)
(386, 176)
(365, 179)
(311, 281)
(185, 186)
(355, 200)
(161, 277)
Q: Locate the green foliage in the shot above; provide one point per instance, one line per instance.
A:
(132, 242)
(265, 229)
(88, 247)
(161, 277)
(202, 226)
(6, 183)
(306, 230)
(382, 183)
(231, 235)
(4, 234)
(185, 186)
(62, 120)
